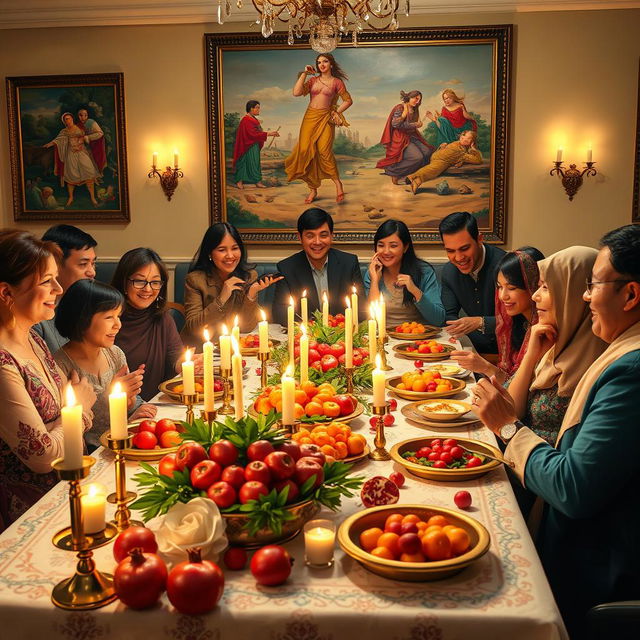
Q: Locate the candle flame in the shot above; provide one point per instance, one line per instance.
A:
(206, 335)
(117, 389)
(187, 355)
(94, 490)
(372, 310)
(353, 289)
(235, 346)
(324, 297)
(378, 361)
(291, 301)
(289, 371)
(225, 331)
(264, 315)
(235, 321)
(70, 396)
(348, 302)
(304, 293)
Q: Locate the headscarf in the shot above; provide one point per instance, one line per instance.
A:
(508, 358)
(576, 348)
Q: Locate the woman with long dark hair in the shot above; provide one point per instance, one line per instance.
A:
(220, 285)
(408, 284)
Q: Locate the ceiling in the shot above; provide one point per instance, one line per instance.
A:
(21, 14)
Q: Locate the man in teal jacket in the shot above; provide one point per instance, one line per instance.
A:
(590, 526)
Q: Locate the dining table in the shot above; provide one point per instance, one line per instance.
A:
(502, 595)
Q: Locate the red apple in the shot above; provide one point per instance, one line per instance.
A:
(347, 403)
(165, 425)
(281, 465)
(147, 425)
(189, 454)
(259, 450)
(204, 474)
(292, 448)
(328, 362)
(312, 451)
(223, 452)
(222, 493)
(234, 475)
(251, 490)
(257, 471)
(167, 465)
(306, 468)
(294, 491)
(170, 439)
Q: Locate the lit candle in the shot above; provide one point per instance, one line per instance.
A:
(589, 154)
(304, 354)
(207, 353)
(263, 333)
(225, 349)
(118, 412)
(288, 396)
(348, 335)
(559, 155)
(354, 306)
(372, 333)
(154, 162)
(188, 375)
(325, 309)
(236, 369)
(93, 502)
(290, 331)
(72, 431)
(377, 376)
(175, 158)
(382, 317)
(304, 314)
(235, 330)
(319, 542)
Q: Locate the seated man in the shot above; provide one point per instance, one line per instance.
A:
(317, 268)
(454, 154)
(78, 262)
(587, 538)
(469, 281)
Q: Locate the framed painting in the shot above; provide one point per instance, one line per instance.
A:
(67, 140)
(410, 125)
(635, 214)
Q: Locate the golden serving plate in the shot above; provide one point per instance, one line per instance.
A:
(401, 350)
(410, 412)
(429, 409)
(446, 475)
(253, 351)
(146, 455)
(406, 394)
(357, 458)
(450, 370)
(350, 530)
(430, 332)
(359, 410)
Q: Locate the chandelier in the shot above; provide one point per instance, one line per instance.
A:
(325, 20)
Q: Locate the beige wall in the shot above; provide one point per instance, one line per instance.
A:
(575, 78)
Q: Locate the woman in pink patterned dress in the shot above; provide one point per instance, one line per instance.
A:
(30, 381)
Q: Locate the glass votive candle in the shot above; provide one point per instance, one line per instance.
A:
(319, 542)
(93, 501)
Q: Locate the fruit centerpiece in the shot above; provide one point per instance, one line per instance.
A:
(265, 485)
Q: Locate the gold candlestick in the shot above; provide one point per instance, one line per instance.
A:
(226, 409)
(209, 417)
(189, 400)
(88, 588)
(349, 373)
(380, 453)
(121, 497)
(383, 354)
(264, 358)
(289, 429)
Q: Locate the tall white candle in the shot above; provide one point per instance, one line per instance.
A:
(589, 154)
(377, 376)
(118, 412)
(304, 308)
(325, 309)
(290, 330)
(263, 333)
(372, 333)
(235, 331)
(304, 354)
(382, 317)
(207, 353)
(236, 369)
(288, 396)
(188, 375)
(93, 503)
(154, 162)
(559, 155)
(354, 306)
(175, 158)
(72, 431)
(348, 335)
(225, 349)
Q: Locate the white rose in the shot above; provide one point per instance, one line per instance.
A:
(195, 524)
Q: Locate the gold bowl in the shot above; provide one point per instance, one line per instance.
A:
(447, 475)
(146, 455)
(407, 394)
(443, 410)
(359, 410)
(429, 332)
(350, 530)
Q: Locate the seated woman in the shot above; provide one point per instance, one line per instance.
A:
(31, 385)
(452, 120)
(516, 281)
(220, 285)
(408, 284)
(88, 315)
(148, 337)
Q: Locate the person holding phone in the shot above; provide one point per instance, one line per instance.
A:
(220, 285)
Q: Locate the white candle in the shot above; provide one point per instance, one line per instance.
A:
(263, 333)
(288, 396)
(235, 331)
(354, 306)
(304, 313)
(325, 309)
(93, 503)
(589, 154)
(118, 412)
(154, 162)
(304, 354)
(319, 542)
(290, 330)
(207, 353)
(188, 375)
(377, 376)
(225, 349)
(175, 158)
(348, 335)
(559, 155)
(382, 317)
(372, 333)
(72, 431)
(236, 368)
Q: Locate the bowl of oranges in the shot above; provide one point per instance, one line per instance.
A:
(429, 350)
(423, 385)
(335, 440)
(413, 331)
(413, 542)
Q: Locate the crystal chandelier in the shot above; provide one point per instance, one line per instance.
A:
(325, 20)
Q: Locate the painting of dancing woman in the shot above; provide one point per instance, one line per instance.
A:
(452, 120)
(312, 159)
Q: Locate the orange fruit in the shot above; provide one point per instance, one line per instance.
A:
(328, 388)
(412, 557)
(369, 538)
(263, 406)
(436, 545)
(306, 440)
(419, 385)
(309, 388)
(410, 517)
(298, 411)
(301, 397)
(382, 552)
(342, 450)
(355, 446)
(390, 541)
(458, 538)
(331, 409)
(275, 396)
(328, 450)
(439, 520)
(394, 517)
(401, 385)
(313, 409)
(321, 398)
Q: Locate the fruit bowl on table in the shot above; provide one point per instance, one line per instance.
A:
(448, 369)
(349, 537)
(407, 394)
(427, 332)
(173, 388)
(407, 351)
(447, 475)
(132, 453)
(250, 344)
(326, 420)
(444, 410)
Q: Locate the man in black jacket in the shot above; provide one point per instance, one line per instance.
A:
(469, 281)
(317, 268)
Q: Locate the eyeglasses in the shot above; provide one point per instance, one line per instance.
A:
(156, 285)
(591, 283)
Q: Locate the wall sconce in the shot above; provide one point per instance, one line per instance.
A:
(572, 177)
(169, 177)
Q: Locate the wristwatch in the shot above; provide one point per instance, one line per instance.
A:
(509, 430)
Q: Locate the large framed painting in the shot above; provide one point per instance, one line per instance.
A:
(635, 214)
(68, 147)
(410, 125)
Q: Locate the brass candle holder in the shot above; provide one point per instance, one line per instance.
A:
(383, 354)
(209, 417)
(168, 179)
(226, 409)
(189, 399)
(380, 452)
(264, 358)
(349, 373)
(88, 588)
(121, 497)
(572, 178)
(289, 429)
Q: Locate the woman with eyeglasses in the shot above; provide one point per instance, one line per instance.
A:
(148, 337)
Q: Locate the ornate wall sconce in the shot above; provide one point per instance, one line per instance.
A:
(169, 177)
(572, 177)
